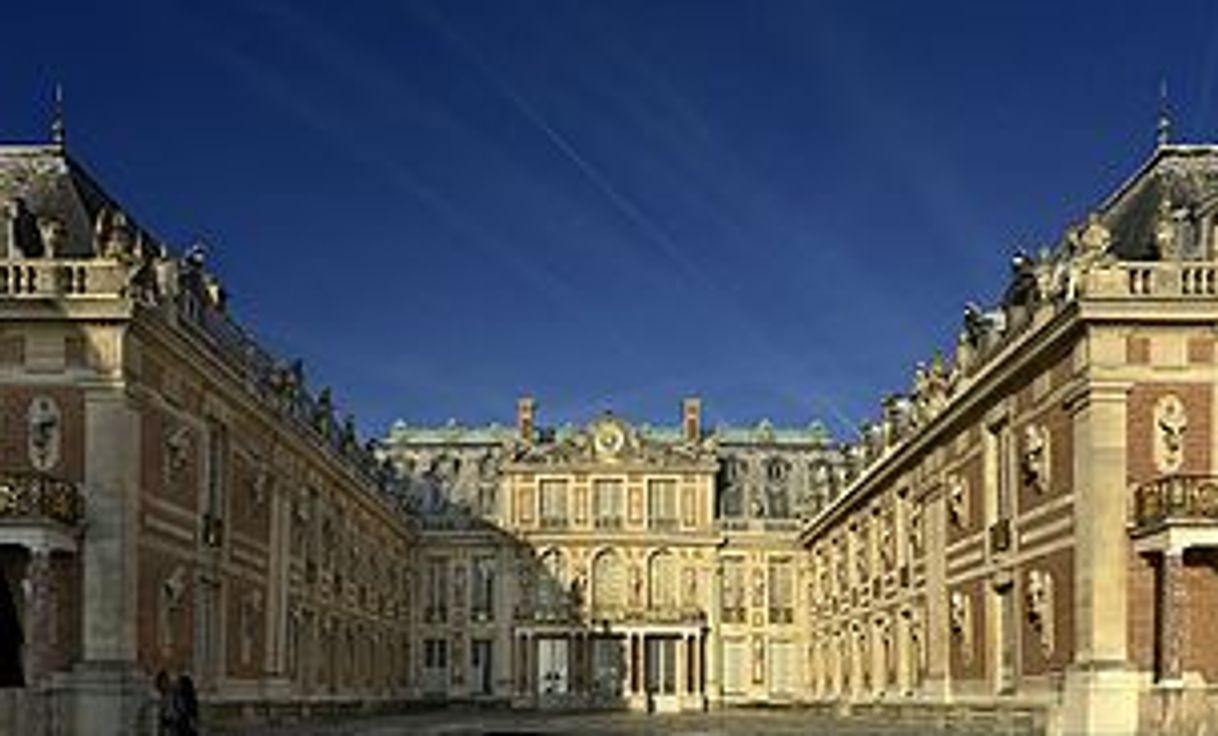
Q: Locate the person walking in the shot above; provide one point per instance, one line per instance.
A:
(185, 707)
(165, 717)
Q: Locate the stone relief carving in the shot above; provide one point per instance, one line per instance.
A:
(961, 622)
(758, 588)
(260, 488)
(1035, 458)
(1039, 601)
(609, 439)
(888, 538)
(758, 660)
(251, 616)
(170, 600)
(1170, 424)
(917, 540)
(177, 453)
(45, 433)
(691, 587)
(862, 561)
(843, 570)
(957, 500)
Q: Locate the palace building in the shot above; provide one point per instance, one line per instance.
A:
(652, 568)
(172, 498)
(1026, 535)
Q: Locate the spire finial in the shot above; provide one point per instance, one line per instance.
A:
(1163, 127)
(58, 130)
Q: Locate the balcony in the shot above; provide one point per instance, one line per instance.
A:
(1175, 501)
(37, 498)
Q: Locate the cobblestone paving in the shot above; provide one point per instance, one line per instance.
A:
(506, 723)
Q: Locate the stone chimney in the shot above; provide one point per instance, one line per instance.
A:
(691, 419)
(525, 407)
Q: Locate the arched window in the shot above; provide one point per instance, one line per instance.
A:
(608, 584)
(661, 578)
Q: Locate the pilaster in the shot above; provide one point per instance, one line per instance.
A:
(1101, 689)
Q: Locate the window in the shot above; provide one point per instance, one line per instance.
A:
(662, 581)
(608, 584)
(733, 591)
(553, 504)
(782, 591)
(436, 595)
(482, 607)
(731, 487)
(552, 587)
(488, 500)
(435, 654)
(662, 504)
(609, 500)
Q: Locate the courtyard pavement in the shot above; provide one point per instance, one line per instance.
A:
(509, 723)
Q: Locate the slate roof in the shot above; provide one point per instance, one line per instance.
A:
(50, 184)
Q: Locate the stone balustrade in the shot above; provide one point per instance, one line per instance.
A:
(47, 278)
(38, 497)
(1176, 499)
(1138, 280)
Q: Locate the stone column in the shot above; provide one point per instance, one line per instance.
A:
(40, 616)
(679, 671)
(713, 662)
(1172, 619)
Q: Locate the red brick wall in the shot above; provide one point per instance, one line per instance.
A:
(1196, 398)
(155, 566)
(1200, 650)
(971, 472)
(155, 425)
(1057, 421)
(238, 591)
(14, 428)
(1201, 350)
(1141, 601)
(1060, 565)
(974, 668)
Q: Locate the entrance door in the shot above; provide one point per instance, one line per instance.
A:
(660, 667)
(608, 667)
(11, 674)
(552, 666)
(480, 661)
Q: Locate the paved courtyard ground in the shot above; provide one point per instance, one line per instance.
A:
(724, 723)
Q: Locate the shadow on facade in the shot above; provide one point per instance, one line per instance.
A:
(516, 630)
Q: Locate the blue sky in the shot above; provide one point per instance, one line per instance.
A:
(779, 206)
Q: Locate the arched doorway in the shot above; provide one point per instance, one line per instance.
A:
(11, 638)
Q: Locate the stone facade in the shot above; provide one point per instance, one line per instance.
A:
(1052, 514)
(612, 565)
(171, 497)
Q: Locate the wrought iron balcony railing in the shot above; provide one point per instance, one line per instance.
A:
(39, 497)
(1176, 499)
